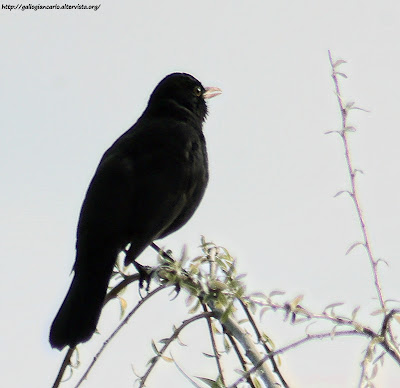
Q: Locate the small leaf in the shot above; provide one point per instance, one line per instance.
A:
(167, 359)
(276, 292)
(296, 301)
(241, 276)
(227, 345)
(268, 340)
(263, 311)
(349, 105)
(358, 327)
(354, 313)
(370, 353)
(397, 318)
(308, 326)
(195, 307)
(256, 382)
(364, 110)
(333, 332)
(339, 62)
(328, 132)
(332, 305)
(341, 74)
(341, 192)
(189, 300)
(152, 360)
(382, 261)
(123, 304)
(356, 244)
(349, 129)
(377, 312)
(209, 382)
(258, 295)
(374, 372)
(153, 345)
(208, 355)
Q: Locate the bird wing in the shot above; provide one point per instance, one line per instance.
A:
(138, 190)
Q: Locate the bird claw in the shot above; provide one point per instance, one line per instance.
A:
(145, 273)
(177, 290)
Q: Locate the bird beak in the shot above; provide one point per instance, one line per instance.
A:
(211, 92)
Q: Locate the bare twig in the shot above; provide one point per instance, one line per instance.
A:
(352, 173)
(214, 345)
(120, 286)
(262, 340)
(241, 359)
(252, 353)
(388, 342)
(292, 346)
(170, 340)
(64, 366)
(96, 357)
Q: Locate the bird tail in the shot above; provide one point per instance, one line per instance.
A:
(77, 318)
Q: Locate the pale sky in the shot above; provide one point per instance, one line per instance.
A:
(73, 80)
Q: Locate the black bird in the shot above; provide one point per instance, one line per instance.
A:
(148, 184)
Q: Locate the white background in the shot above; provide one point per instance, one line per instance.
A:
(72, 81)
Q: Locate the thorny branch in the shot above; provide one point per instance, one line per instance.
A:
(175, 335)
(262, 340)
(214, 345)
(344, 110)
(125, 321)
(391, 346)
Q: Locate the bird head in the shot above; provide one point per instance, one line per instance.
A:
(185, 91)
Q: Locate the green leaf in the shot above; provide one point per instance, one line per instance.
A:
(296, 301)
(152, 360)
(153, 345)
(209, 355)
(167, 359)
(209, 382)
(256, 382)
(123, 304)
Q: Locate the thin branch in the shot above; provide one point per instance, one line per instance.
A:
(354, 193)
(293, 345)
(338, 320)
(120, 286)
(262, 340)
(363, 375)
(252, 353)
(110, 295)
(170, 340)
(64, 366)
(394, 351)
(161, 251)
(241, 359)
(119, 327)
(386, 321)
(186, 375)
(214, 345)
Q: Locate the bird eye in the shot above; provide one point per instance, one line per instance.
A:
(197, 91)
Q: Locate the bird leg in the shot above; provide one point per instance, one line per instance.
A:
(145, 273)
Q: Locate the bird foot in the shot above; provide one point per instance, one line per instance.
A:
(177, 290)
(145, 273)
